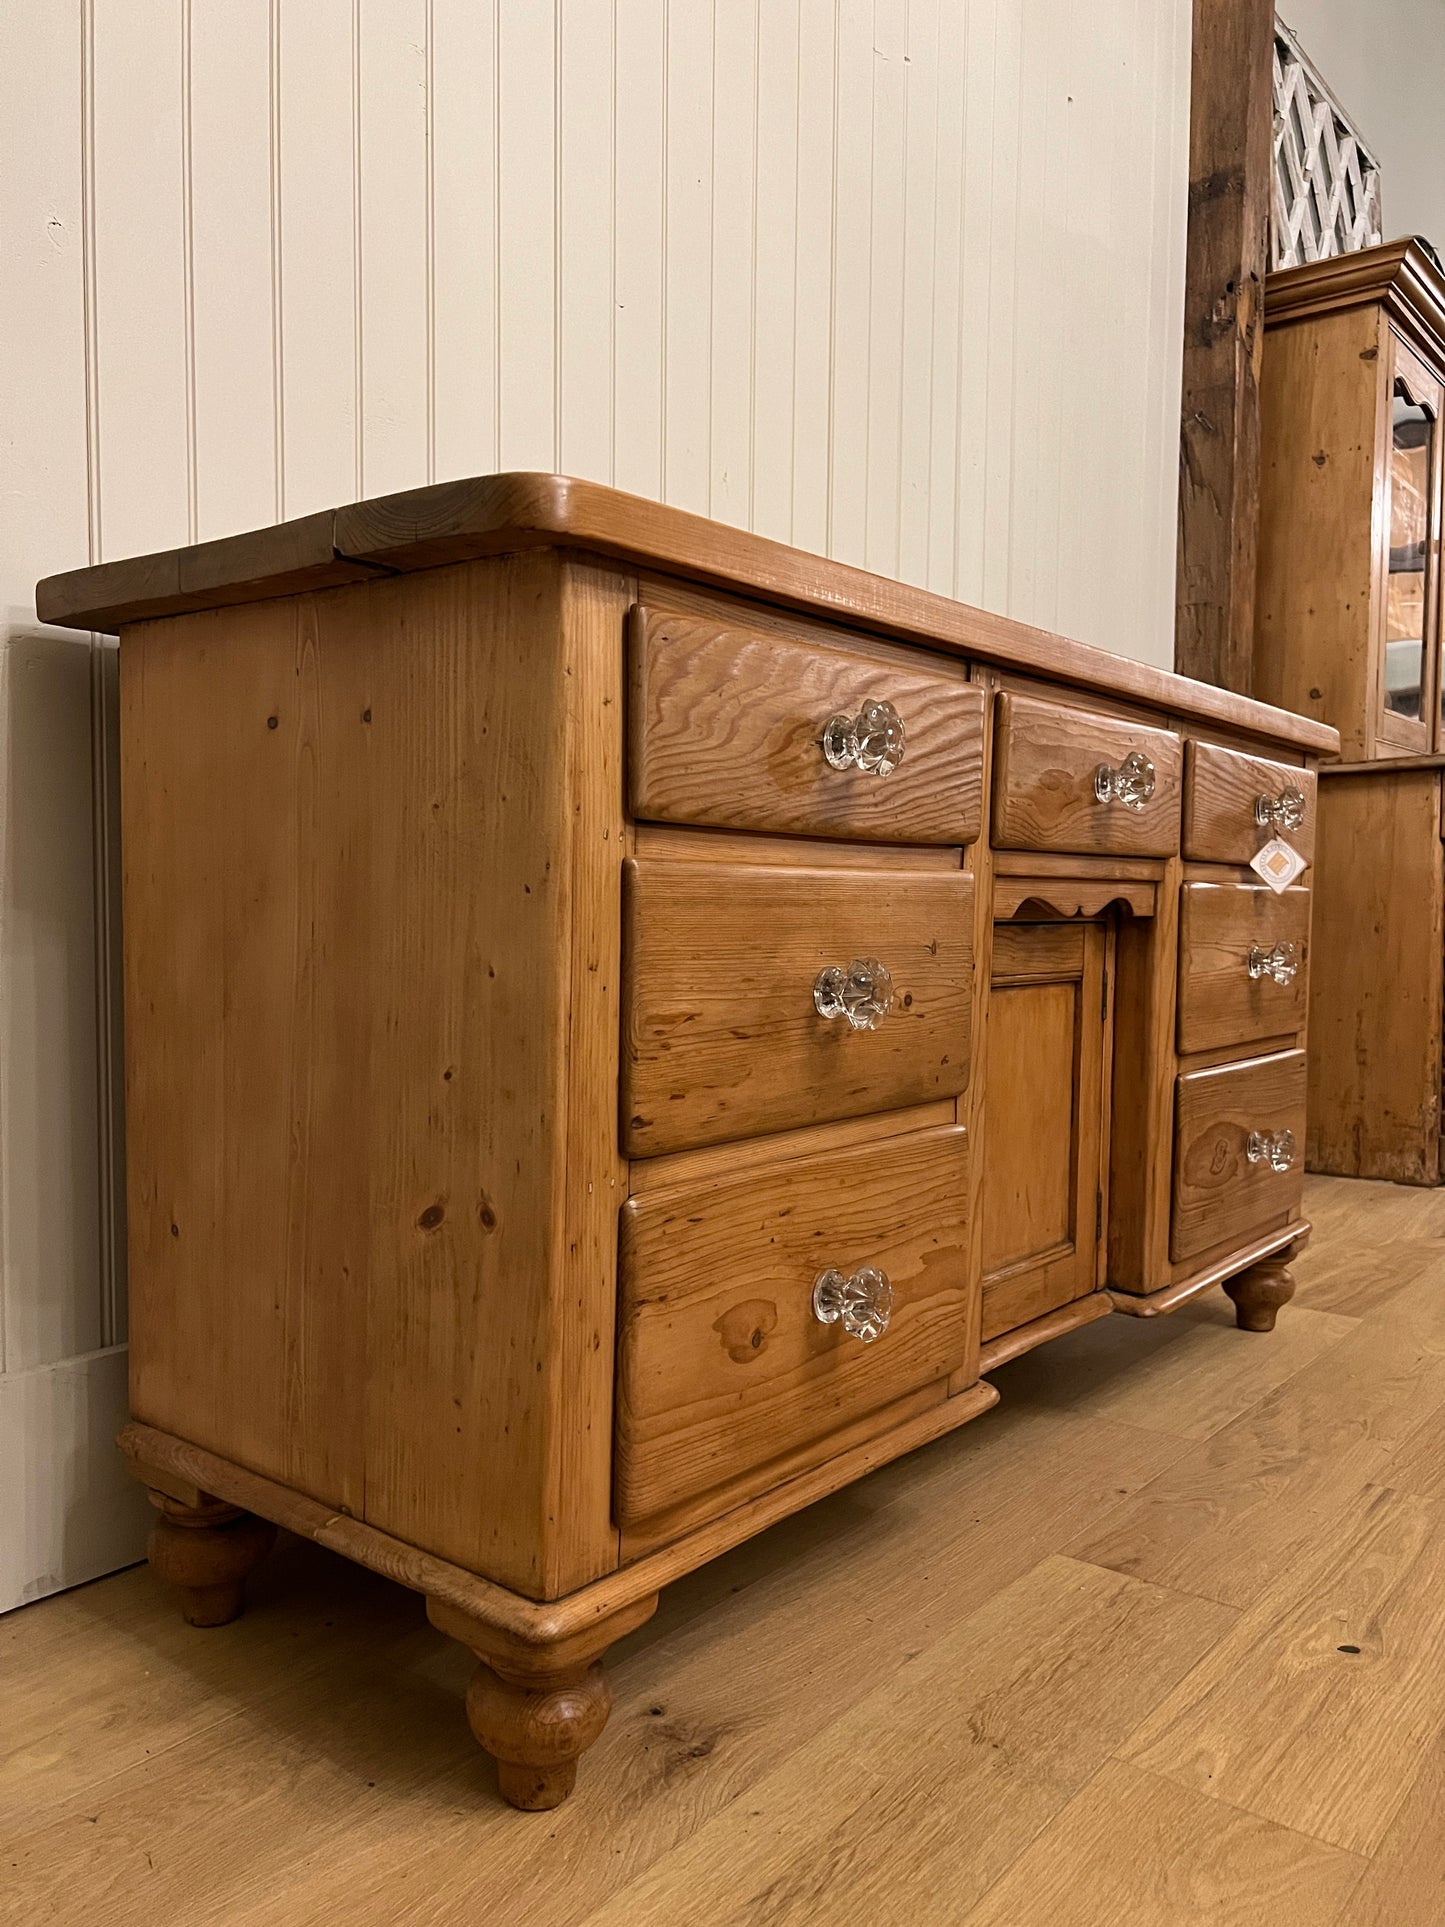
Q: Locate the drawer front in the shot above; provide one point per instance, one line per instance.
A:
(1225, 795)
(1225, 1185)
(722, 1036)
(1243, 963)
(726, 727)
(1047, 761)
(723, 1366)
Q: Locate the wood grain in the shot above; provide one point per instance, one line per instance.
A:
(722, 1365)
(1046, 1121)
(1221, 788)
(721, 1037)
(1045, 760)
(726, 728)
(1133, 1850)
(1377, 987)
(1219, 925)
(1226, 254)
(1285, 1720)
(1320, 527)
(502, 514)
(1219, 1196)
(351, 868)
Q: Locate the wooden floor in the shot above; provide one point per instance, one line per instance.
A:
(1160, 1640)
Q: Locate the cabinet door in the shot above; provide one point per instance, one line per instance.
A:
(1408, 670)
(1043, 1125)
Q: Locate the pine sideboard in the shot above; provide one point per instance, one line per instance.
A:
(627, 1023)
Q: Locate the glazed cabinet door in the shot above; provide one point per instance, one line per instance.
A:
(1408, 660)
(1043, 1132)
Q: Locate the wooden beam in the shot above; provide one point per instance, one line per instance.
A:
(1230, 157)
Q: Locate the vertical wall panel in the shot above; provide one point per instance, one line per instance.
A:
(585, 246)
(396, 417)
(319, 255)
(687, 245)
(774, 321)
(814, 274)
(922, 272)
(852, 282)
(734, 322)
(464, 237)
(639, 97)
(527, 345)
(233, 291)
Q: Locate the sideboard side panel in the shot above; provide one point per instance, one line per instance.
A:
(350, 887)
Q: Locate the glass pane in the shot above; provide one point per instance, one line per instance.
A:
(1409, 550)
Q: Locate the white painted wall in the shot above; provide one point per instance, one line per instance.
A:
(1384, 61)
(901, 280)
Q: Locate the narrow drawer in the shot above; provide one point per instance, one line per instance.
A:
(1243, 963)
(724, 1366)
(1049, 770)
(722, 1035)
(1233, 805)
(727, 727)
(1234, 1126)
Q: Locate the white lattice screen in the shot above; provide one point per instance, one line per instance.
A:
(1326, 183)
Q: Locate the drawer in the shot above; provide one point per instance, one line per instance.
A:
(727, 726)
(723, 1366)
(1243, 963)
(1225, 795)
(1047, 764)
(1227, 1120)
(722, 1037)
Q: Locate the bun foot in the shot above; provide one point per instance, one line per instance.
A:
(537, 1734)
(1259, 1293)
(537, 1705)
(206, 1552)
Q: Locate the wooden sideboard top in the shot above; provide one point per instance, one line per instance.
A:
(425, 528)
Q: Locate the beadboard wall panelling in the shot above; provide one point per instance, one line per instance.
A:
(898, 280)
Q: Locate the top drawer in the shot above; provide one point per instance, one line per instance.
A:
(1066, 779)
(727, 727)
(1233, 805)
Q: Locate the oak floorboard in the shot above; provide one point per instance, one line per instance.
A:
(312, 1764)
(1190, 1381)
(1318, 1708)
(1051, 1672)
(1235, 1509)
(1404, 1885)
(1133, 1851)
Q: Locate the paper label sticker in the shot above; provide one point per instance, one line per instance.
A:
(1278, 863)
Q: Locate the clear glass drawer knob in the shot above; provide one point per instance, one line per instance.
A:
(1279, 963)
(1284, 812)
(1274, 1148)
(872, 740)
(863, 993)
(1131, 784)
(862, 1304)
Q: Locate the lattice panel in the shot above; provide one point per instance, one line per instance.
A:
(1326, 183)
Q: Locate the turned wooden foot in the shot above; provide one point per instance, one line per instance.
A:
(1259, 1293)
(537, 1707)
(536, 1734)
(206, 1551)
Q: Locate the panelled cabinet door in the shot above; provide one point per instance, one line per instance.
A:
(1045, 1120)
(1408, 678)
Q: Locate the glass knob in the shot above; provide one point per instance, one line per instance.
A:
(863, 993)
(1276, 1149)
(862, 1304)
(1284, 812)
(1131, 784)
(872, 740)
(1280, 963)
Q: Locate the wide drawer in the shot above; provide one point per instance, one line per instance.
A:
(1234, 804)
(727, 727)
(1239, 1146)
(1071, 780)
(722, 1036)
(1243, 963)
(724, 1366)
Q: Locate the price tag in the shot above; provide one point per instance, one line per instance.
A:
(1278, 863)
